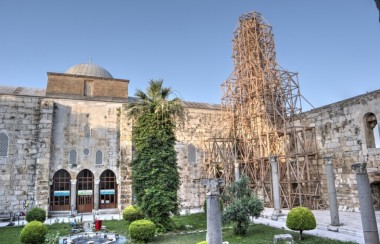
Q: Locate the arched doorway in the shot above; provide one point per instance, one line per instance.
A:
(108, 190)
(60, 191)
(85, 191)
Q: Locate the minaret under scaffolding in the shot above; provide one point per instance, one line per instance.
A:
(261, 105)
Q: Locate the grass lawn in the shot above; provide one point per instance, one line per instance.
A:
(257, 233)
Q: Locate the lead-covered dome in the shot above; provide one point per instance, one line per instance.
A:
(89, 70)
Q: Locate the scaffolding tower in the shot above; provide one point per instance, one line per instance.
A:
(262, 112)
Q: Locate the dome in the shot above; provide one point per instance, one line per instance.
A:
(89, 70)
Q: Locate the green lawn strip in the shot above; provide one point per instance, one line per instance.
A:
(11, 235)
(190, 222)
(257, 234)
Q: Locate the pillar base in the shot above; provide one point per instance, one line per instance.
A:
(276, 214)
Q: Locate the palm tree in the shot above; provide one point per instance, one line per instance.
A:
(155, 176)
(155, 100)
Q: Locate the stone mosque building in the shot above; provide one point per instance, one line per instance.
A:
(68, 147)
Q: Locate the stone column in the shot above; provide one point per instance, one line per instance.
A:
(73, 195)
(96, 194)
(214, 218)
(334, 213)
(367, 211)
(276, 188)
(237, 171)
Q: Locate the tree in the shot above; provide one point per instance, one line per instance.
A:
(301, 218)
(243, 205)
(155, 176)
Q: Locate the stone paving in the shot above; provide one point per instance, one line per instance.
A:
(351, 229)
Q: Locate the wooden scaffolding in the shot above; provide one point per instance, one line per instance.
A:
(261, 105)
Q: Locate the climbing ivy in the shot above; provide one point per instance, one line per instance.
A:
(155, 176)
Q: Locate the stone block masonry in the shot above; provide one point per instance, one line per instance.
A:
(18, 169)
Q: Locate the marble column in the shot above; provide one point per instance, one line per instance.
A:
(214, 215)
(276, 188)
(96, 194)
(73, 196)
(367, 211)
(333, 204)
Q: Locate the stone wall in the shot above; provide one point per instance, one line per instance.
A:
(75, 85)
(126, 158)
(340, 132)
(86, 127)
(19, 119)
(45, 126)
(198, 126)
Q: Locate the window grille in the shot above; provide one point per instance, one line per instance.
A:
(371, 131)
(191, 154)
(87, 131)
(4, 141)
(73, 157)
(99, 157)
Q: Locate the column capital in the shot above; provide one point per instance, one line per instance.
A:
(73, 181)
(273, 159)
(97, 181)
(212, 186)
(328, 159)
(359, 168)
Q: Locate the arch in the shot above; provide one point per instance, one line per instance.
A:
(191, 154)
(371, 130)
(73, 156)
(85, 191)
(4, 144)
(108, 190)
(60, 191)
(99, 157)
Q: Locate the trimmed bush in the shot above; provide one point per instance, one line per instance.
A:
(142, 230)
(301, 218)
(243, 204)
(33, 233)
(220, 204)
(36, 214)
(132, 213)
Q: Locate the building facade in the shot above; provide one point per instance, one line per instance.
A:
(67, 148)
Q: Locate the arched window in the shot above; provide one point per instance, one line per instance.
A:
(108, 190)
(4, 142)
(88, 87)
(99, 157)
(371, 131)
(87, 131)
(191, 154)
(60, 191)
(73, 157)
(85, 191)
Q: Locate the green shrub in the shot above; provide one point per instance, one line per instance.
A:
(36, 214)
(33, 233)
(52, 238)
(243, 205)
(300, 218)
(132, 213)
(142, 230)
(220, 204)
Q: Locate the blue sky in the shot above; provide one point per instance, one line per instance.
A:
(334, 45)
